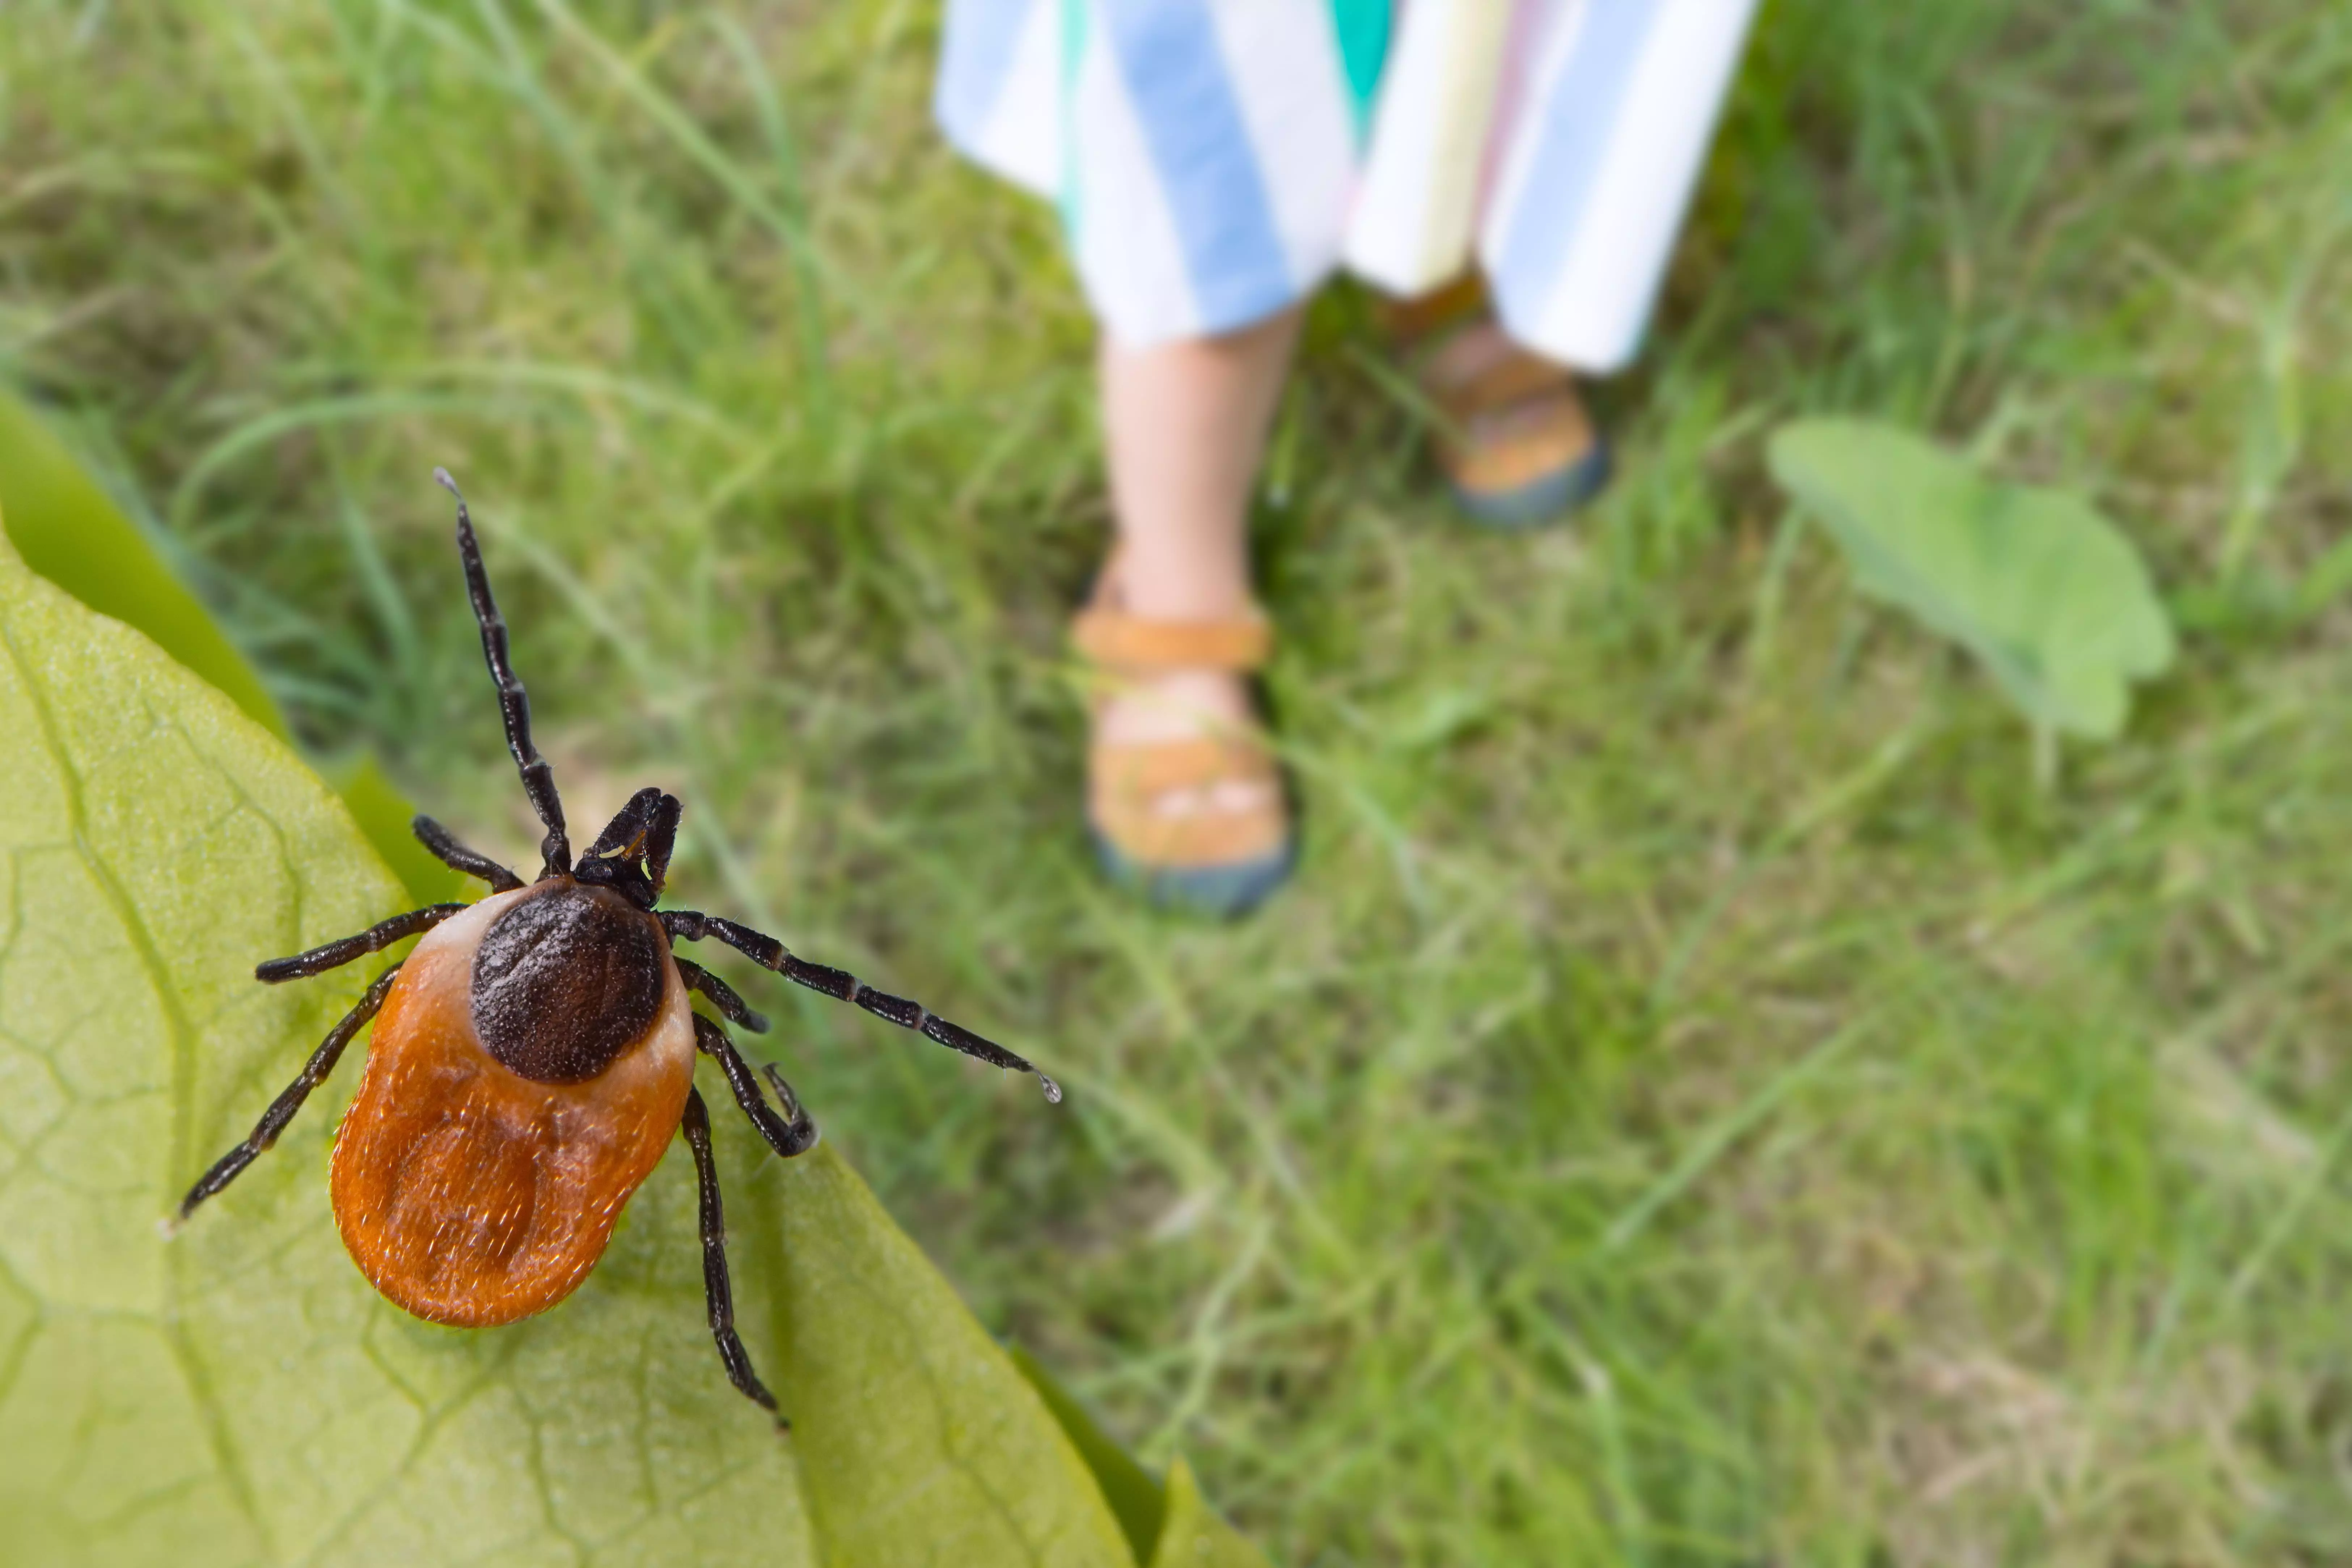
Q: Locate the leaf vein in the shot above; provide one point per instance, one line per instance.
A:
(183, 1044)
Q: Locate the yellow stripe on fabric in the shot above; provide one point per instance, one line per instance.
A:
(1416, 202)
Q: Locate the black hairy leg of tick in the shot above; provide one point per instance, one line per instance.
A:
(281, 1110)
(514, 704)
(696, 1125)
(445, 847)
(731, 1007)
(691, 925)
(335, 954)
(789, 1135)
(632, 855)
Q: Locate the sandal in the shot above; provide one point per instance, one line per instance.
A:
(1520, 450)
(1211, 860)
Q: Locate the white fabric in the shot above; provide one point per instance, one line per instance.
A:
(1416, 206)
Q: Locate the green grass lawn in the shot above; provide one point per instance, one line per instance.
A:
(1702, 1101)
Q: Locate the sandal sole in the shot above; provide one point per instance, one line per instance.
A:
(1539, 502)
(1222, 892)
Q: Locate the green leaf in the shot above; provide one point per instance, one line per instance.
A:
(1193, 1536)
(67, 530)
(2033, 581)
(920, 1440)
(1134, 1496)
(383, 816)
(239, 1395)
(1165, 1526)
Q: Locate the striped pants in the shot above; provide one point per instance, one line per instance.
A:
(1215, 161)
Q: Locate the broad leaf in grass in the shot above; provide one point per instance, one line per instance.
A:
(2033, 581)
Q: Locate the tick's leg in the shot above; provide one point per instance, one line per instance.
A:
(789, 1135)
(731, 1007)
(281, 1110)
(696, 1124)
(839, 984)
(457, 857)
(514, 705)
(375, 939)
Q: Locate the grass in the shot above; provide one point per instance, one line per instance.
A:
(1702, 1101)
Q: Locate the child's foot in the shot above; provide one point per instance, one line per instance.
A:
(1520, 450)
(1184, 797)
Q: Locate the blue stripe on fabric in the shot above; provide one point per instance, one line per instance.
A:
(975, 57)
(1175, 76)
(1580, 112)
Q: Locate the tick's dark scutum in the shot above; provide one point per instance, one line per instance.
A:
(566, 980)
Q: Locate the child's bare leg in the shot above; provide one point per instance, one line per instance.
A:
(1184, 428)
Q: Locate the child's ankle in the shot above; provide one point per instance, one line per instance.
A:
(1185, 584)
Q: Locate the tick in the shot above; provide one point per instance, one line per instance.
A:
(534, 1055)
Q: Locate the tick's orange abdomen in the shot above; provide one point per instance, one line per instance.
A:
(468, 1194)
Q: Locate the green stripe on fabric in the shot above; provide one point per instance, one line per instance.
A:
(1073, 52)
(1362, 28)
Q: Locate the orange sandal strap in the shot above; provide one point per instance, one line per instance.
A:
(1120, 641)
(1197, 842)
(1519, 445)
(1412, 321)
(1427, 330)
(1505, 381)
(1129, 779)
(1128, 782)
(1157, 768)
